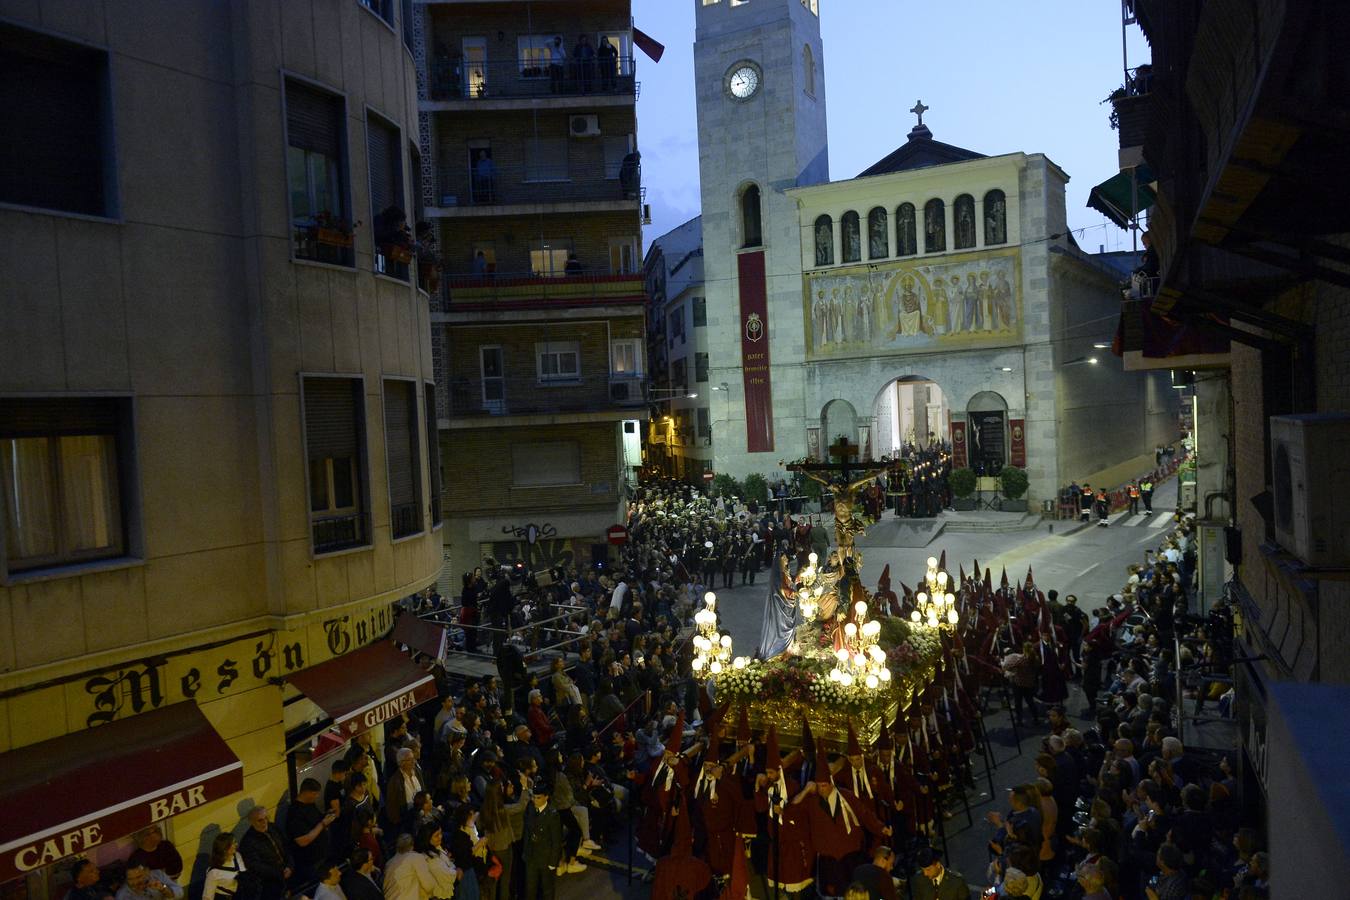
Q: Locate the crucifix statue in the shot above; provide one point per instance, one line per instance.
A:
(846, 479)
(919, 109)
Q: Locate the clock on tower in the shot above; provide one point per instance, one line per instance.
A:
(760, 88)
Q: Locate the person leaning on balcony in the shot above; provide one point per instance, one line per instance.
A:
(557, 65)
(608, 58)
(573, 266)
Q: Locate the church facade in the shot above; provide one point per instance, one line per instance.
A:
(937, 296)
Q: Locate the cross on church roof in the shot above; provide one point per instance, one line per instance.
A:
(919, 109)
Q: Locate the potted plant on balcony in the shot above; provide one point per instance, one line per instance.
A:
(962, 482)
(1014, 488)
(332, 230)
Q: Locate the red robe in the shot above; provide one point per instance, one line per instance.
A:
(904, 789)
(924, 800)
(795, 865)
(844, 779)
(839, 848)
(715, 820)
(657, 828)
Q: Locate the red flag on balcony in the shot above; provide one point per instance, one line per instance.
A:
(648, 45)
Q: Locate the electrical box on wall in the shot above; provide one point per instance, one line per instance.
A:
(1311, 474)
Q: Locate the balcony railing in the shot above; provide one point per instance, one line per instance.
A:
(527, 288)
(456, 79)
(552, 182)
(332, 533)
(404, 519)
(545, 396)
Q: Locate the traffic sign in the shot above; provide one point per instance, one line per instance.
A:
(617, 534)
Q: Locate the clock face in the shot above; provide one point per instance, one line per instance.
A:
(743, 82)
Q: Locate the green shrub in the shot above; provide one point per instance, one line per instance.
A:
(1014, 482)
(962, 482)
(756, 488)
(724, 485)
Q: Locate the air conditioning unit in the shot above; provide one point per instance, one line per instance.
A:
(1311, 479)
(583, 126)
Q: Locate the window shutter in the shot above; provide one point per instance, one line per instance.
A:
(35, 416)
(433, 451)
(400, 434)
(313, 120)
(330, 417)
(383, 149)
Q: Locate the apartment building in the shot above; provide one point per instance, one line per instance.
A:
(215, 394)
(533, 181)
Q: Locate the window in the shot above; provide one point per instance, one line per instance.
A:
(623, 256)
(701, 367)
(808, 70)
(905, 241)
(546, 464)
(64, 467)
(750, 225)
(316, 173)
(494, 378)
(433, 451)
(382, 8)
(934, 226)
(407, 16)
(852, 239)
(386, 197)
(625, 359)
(533, 52)
(474, 65)
(679, 375)
(995, 218)
(558, 360)
(963, 222)
(824, 241)
(57, 152)
(335, 443)
(402, 458)
(877, 234)
(700, 308)
(677, 325)
(616, 148)
(546, 159)
(704, 423)
(813, 6)
(548, 259)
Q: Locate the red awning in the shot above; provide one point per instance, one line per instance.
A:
(419, 634)
(366, 687)
(72, 793)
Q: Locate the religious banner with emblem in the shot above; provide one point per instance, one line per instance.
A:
(958, 445)
(755, 353)
(1017, 443)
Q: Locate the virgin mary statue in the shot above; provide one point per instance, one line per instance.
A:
(781, 613)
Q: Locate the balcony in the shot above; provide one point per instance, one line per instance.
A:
(457, 85)
(548, 187)
(1150, 341)
(501, 397)
(532, 291)
(1132, 112)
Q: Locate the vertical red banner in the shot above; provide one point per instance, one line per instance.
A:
(1017, 443)
(958, 445)
(755, 352)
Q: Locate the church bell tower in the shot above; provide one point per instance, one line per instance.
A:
(760, 86)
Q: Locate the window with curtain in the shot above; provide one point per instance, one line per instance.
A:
(905, 241)
(63, 466)
(995, 218)
(433, 434)
(58, 146)
(850, 237)
(750, 222)
(558, 360)
(824, 241)
(963, 222)
(878, 244)
(934, 226)
(335, 442)
(402, 459)
(316, 174)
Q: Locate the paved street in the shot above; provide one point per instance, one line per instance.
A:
(1089, 562)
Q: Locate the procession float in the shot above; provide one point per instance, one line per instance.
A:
(833, 653)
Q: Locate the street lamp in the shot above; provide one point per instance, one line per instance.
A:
(674, 394)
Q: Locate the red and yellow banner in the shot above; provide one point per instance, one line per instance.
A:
(958, 445)
(1017, 443)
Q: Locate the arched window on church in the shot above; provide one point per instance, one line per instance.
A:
(852, 237)
(877, 239)
(995, 218)
(751, 232)
(824, 241)
(934, 226)
(809, 69)
(963, 222)
(905, 241)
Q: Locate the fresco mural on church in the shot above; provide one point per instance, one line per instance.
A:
(915, 305)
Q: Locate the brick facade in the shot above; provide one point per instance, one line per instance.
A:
(510, 239)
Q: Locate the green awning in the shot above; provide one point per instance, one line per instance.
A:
(1124, 195)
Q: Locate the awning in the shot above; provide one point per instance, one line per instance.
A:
(69, 794)
(419, 634)
(1115, 197)
(366, 687)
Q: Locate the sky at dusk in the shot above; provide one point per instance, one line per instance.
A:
(998, 77)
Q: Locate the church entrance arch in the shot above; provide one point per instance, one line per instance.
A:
(987, 422)
(839, 419)
(910, 410)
